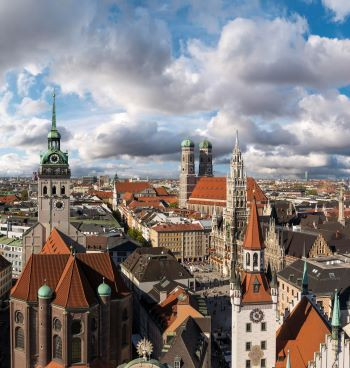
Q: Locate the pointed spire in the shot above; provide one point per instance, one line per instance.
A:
(237, 142)
(288, 361)
(53, 123)
(305, 284)
(274, 284)
(253, 237)
(336, 311)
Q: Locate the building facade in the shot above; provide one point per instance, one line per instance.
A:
(5, 278)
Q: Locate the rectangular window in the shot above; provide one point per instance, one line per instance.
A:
(263, 345)
(248, 327)
(247, 364)
(263, 363)
(263, 326)
(248, 346)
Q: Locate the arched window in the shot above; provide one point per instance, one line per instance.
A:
(45, 190)
(247, 259)
(125, 314)
(57, 325)
(255, 260)
(57, 347)
(19, 338)
(54, 190)
(76, 327)
(124, 335)
(76, 350)
(19, 317)
(63, 190)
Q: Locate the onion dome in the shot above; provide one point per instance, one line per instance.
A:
(205, 144)
(54, 134)
(187, 143)
(45, 292)
(104, 289)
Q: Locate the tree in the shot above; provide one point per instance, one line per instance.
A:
(24, 195)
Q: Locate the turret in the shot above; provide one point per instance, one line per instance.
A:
(214, 220)
(104, 291)
(305, 281)
(205, 159)
(187, 174)
(274, 289)
(288, 365)
(341, 217)
(54, 137)
(336, 324)
(44, 298)
(235, 287)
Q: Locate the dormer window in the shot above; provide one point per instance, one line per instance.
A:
(177, 362)
(256, 286)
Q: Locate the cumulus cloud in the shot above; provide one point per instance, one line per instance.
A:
(340, 8)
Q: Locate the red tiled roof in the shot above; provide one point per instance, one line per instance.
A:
(9, 198)
(131, 187)
(168, 228)
(253, 237)
(214, 188)
(155, 204)
(301, 333)
(161, 191)
(168, 199)
(101, 194)
(248, 294)
(55, 244)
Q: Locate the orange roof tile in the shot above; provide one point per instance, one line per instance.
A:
(102, 194)
(73, 289)
(253, 237)
(161, 191)
(55, 244)
(214, 189)
(248, 294)
(168, 228)
(131, 186)
(9, 198)
(301, 333)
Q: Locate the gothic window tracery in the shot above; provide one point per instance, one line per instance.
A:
(57, 347)
(19, 338)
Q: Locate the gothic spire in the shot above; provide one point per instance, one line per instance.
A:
(237, 142)
(335, 316)
(288, 361)
(253, 237)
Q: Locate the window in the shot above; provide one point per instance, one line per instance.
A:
(255, 260)
(248, 327)
(19, 317)
(19, 338)
(45, 190)
(76, 327)
(76, 350)
(124, 335)
(63, 190)
(256, 286)
(177, 362)
(263, 363)
(57, 325)
(54, 190)
(263, 326)
(263, 345)
(248, 346)
(247, 364)
(248, 259)
(57, 347)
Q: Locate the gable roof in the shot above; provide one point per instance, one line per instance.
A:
(55, 244)
(131, 186)
(301, 334)
(248, 294)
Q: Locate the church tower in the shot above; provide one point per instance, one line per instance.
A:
(187, 174)
(235, 213)
(54, 183)
(205, 159)
(53, 196)
(254, 304)
(341, 216)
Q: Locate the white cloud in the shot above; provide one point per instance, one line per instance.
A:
(340, 8)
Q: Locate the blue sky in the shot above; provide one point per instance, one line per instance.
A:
(134, 78)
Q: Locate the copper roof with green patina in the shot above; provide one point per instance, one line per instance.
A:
(45, 157)
(205, 144)
(187, 143)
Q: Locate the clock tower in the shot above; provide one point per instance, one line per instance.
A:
(53, 198)
(254, 303)
(54, 183)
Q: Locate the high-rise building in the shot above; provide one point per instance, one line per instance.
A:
(254, 303)
(187, 174)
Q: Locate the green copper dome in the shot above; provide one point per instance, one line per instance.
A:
(54, 134)
(104, 290)
(45, 292)
(46, 157)
(205, 144)
(187, 143)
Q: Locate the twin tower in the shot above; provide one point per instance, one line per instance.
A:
(188, 178)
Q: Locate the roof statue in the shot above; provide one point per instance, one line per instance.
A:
(144, 348)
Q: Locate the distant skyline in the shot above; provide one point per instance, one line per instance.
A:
(134, 78)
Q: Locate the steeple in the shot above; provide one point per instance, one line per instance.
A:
(335, 316)
(54, 137)
(237, 142)
(341, 217)
(253, 237)
(288, 361)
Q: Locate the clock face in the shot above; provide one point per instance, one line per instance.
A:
(59, 205)
(54, 158)
(256, 315)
